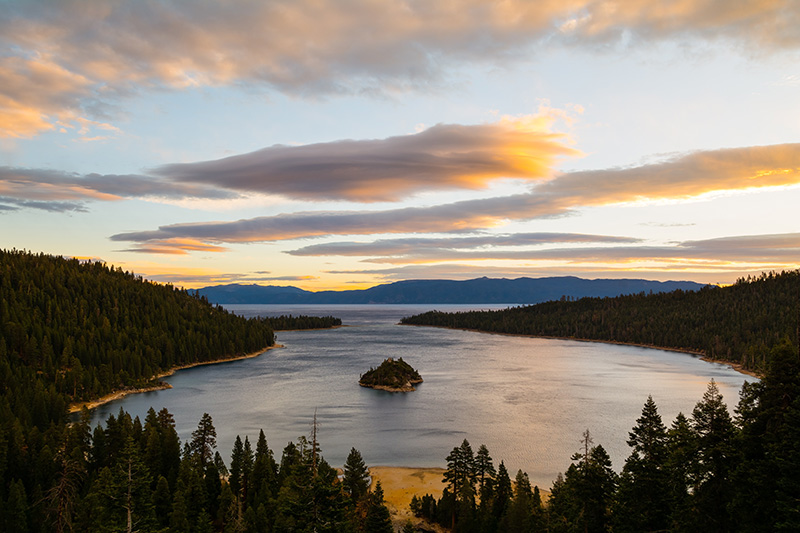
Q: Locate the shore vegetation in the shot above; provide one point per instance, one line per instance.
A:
(393, 375)
(738, 324)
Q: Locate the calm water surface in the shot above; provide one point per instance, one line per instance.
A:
(529, 400)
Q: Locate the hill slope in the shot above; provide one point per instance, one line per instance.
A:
(72, 330)
(474, 291)
(739, 323)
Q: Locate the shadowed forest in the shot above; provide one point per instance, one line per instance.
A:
(737, 324)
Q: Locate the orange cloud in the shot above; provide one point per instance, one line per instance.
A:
(445, 156)
(176, 246)
(35, 93)
(681, 177)
(313, 47)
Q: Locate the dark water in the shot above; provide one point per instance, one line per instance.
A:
(529, 400)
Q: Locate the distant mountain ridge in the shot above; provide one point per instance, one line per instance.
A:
(474, 291)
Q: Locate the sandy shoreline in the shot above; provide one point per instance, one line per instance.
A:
(400, 484)
(734, 366)
(116, 395)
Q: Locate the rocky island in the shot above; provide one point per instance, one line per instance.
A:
(393, 375)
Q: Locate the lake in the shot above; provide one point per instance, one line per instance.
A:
(529, 400)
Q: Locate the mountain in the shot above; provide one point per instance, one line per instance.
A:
(475, 291)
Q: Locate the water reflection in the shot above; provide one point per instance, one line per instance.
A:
(528, 400)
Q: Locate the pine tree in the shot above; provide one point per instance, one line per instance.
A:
(680, 463)
(714, 432)
(582, 499)
(642, 499)
(162, 502)
(15, 510)
(484, 468)
(204, 440)
(765, 479)
(265, 470)
(503, 492)
(378, 518)
(518, 519)
(460, 467)
(356, 475)
(237, 467)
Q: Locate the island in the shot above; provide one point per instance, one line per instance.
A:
(393, 375)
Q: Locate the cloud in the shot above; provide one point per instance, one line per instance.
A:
(96, 52)
(413, 247)
(201, 278)
(702, 260)
(15, 204)
(175, 246)
(679, 178)
(35, 93)
(54, 190)
(445, 156)
(289, 278)
(778, 248)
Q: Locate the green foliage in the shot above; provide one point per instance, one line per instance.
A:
(378, 518)
(356, 475)
(392, 373)
(642, 498)
(72, 331)
(289, 322)
(739, 323)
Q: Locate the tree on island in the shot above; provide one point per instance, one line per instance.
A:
(394, 375)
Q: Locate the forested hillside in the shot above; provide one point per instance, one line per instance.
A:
(738, 324)
(72, 330)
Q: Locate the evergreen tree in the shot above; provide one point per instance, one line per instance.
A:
(643, 496)
(356, 475)
(237, 468)
(582, 499)
(162, 502)
(265, 470)
(247, 469)
(460, 467)
(503, 492)
(484, 468)
(204, 440)
(378, 517)
(680, 463)
(519, 517)
(765, 479)
(14, 514)
(712, 487)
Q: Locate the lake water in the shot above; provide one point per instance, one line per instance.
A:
(529, 400)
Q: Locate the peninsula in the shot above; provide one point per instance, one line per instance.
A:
(393, 375)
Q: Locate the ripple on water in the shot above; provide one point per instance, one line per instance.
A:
(529, 400)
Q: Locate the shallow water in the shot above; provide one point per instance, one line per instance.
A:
(529, 400)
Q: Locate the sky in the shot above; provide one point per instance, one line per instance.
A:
(340, 144)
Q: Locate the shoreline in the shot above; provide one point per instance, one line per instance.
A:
(386, 388)
(401, 483)
(314, 329)
(118, 395)
(733, 366)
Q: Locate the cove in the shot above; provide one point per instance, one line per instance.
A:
(528, 399)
